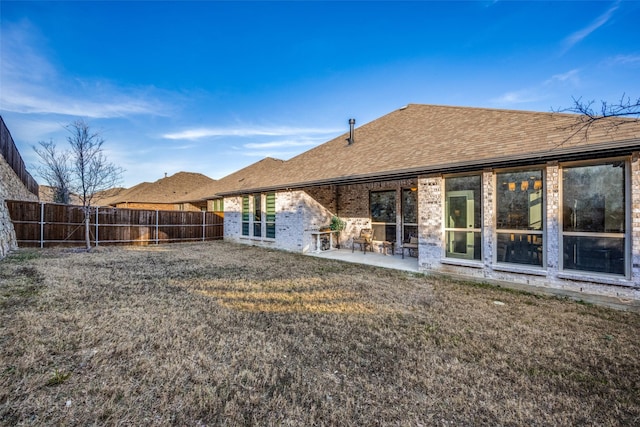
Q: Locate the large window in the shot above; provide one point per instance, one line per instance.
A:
(383, 214)
(520, 219)
(463, 217)
(409, 213)
(594, 218)
(259, 215)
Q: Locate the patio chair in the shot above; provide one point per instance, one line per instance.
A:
(412, 245)
(365, 239)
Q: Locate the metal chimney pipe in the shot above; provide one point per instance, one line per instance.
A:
(352, 122)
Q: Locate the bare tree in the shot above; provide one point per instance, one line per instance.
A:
(91, 171)
(54, 169)
(83, 169)
(612, 115)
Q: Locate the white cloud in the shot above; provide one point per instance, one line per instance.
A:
(198, 133)
(569, 76)
(31, 84)
(35, 130)
(624, 60)
(30, 99)
(283, 143)
(515, 97)
(543, 91)
(583, 33)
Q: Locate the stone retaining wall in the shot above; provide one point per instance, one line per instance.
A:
(11, 188)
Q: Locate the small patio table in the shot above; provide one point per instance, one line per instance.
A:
(320, 240)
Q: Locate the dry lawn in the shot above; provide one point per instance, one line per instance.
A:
(222, 334)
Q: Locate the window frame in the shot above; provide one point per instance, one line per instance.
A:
(269, 215)
(218, 205)
(263, 220)
(245, 216)
(257, 215)
(521, 232)
(412, 225)
(385, 224)
(445, 229)
(627, 235)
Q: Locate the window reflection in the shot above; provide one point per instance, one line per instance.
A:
(383, 214)
(593, 198)
(409, 214)
(599, 254)
(519, 200)
(383, 206)
(463, 217)
(519, 217)
(594, 217)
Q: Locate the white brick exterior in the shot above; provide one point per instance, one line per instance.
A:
(299, 213)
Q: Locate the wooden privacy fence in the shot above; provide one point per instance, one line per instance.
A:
(10, 153)
(40, 224)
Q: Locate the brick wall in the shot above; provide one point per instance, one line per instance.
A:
(353, 205)
(297, 215)
(430, 222)
(635, 216)
(11, 188)
(552, 224)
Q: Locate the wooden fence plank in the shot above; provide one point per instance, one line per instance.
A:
(63, 225)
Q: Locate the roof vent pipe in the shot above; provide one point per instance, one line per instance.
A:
(352, 122)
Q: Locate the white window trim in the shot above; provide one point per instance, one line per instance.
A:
(252, 222)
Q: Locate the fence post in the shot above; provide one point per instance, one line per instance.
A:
(97, 226)
(41, 225)
(204, 225)
(157, 227)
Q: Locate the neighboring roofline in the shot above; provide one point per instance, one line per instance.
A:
(201, 199)
(574, 153)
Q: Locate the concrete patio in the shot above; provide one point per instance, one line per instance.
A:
(377, 259)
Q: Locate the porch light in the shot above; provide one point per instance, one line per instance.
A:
(512, 186)
(414, 189)
(537, 184)
(524, 186)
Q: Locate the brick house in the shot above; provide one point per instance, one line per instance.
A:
(490, 194)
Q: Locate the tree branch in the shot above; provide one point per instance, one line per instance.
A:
(611, 115)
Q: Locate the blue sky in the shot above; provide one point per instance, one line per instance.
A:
(212, 87)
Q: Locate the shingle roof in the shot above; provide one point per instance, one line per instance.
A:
(421, 138)
(171, 189)
(250, 177)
